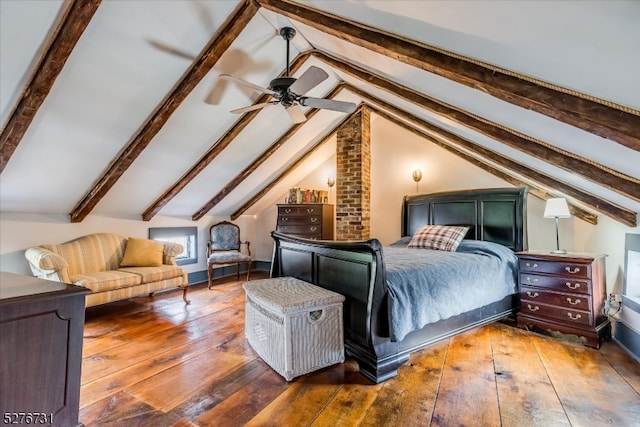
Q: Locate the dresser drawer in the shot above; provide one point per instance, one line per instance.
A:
(561, 284)
(302, 210)
(571, 301)
(567, 316)
(300, 220)
(301, 230)
(557, 268)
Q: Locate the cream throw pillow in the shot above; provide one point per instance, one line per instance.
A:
(142, 253)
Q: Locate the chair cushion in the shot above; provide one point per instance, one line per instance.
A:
(225, 236)
(220, 257)
(154, 274)
(106, 280)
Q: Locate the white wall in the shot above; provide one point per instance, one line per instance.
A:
(20, 231)
(395, 154)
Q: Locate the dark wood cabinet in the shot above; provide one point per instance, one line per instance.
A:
(312, 221)
(564, 293)
(41, 328)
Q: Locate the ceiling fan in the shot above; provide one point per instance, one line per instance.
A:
(289, 91)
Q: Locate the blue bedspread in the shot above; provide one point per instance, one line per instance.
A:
(426, 285)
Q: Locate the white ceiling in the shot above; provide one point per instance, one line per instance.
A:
(115, 78)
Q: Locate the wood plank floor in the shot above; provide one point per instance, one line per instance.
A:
(157, 362)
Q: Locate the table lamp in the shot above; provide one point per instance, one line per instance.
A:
(557, 208)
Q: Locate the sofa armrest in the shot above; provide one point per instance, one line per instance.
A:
(170, 251)
(47, 265)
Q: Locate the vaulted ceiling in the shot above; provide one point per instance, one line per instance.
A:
(117, 107)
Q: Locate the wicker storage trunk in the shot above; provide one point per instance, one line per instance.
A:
(294, 326)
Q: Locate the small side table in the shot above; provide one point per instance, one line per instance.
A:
(564, 293)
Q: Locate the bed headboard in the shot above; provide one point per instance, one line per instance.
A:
(495, 214)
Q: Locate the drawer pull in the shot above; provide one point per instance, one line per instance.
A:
(314, 219)
(310, 210)
(533, 294)
(534, 308)
(313, 228)
(576, 302)
(572, 286)
(572, 270)
(572, 317)
(528, 264)
(288, 210)
(285, 219)
(530, 280)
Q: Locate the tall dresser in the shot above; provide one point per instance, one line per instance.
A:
(564, 293)
(41, 328)
(311, 221)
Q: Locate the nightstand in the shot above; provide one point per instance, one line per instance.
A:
(564, 293)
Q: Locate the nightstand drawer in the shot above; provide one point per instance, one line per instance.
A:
(558, 268)
(561, 284)
(567, 316)
(570, 301)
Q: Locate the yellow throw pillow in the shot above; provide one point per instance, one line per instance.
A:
(142, 253)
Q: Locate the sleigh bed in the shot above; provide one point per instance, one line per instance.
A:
(359, 270)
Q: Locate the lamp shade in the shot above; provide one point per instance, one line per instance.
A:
(557, 208)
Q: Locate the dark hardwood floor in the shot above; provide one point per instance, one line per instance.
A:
(157, 362)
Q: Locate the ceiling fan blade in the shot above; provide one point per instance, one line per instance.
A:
(171, 50)
(246, 83)
(253, 107)
(328, 104)
(312, 77)
(296, 114)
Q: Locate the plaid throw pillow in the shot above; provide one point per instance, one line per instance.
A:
(439, 237)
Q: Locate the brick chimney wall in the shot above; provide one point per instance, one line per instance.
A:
(353, 177)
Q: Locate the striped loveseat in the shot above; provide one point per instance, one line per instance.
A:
(112, 266)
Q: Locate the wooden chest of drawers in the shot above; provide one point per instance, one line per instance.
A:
(312, 221)
(564, 293)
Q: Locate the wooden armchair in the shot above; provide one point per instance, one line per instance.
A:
(224, 247)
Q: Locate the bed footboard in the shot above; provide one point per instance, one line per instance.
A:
(355, 270)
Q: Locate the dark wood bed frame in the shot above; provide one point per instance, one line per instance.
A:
(356, 270)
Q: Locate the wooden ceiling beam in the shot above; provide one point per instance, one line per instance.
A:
(605, 119)
(457, 145)
(200, 67)
(614, 211)
(264, 190)
(72, 24)
(623, 184)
